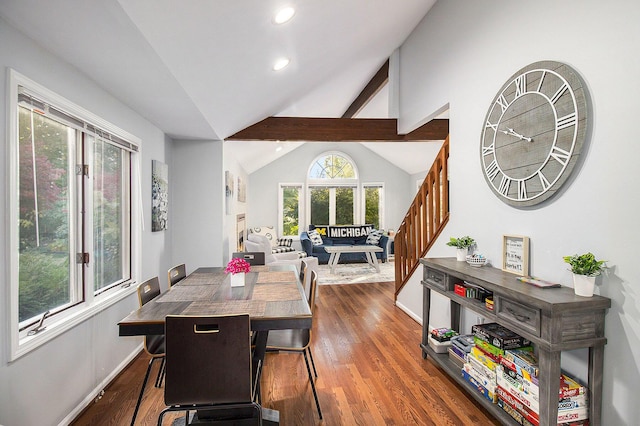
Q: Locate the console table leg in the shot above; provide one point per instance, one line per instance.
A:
(549, 385)
(596, 364)
(426, 309)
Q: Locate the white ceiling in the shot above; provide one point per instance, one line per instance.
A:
(201, 69)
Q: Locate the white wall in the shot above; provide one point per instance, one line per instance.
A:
(48, 384)
(293, 168)
(461, 54)
(197, 198)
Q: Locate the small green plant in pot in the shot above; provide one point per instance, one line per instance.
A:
(585, 268)
(462, 245)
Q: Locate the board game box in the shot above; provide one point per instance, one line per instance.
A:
(499, 336)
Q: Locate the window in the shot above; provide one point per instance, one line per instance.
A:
(373, 202)
(290, 208)
(333, 183)
(71, 242)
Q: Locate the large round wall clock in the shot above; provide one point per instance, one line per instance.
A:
(534, 133)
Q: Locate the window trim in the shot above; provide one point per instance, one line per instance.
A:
(363, 207)
(301, 206)
(68, 318)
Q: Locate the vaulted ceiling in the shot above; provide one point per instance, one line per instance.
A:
(202, 69)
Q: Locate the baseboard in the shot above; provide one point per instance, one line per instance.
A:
(409, 312)
(98, 389)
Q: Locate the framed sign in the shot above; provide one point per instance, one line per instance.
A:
(515, 254)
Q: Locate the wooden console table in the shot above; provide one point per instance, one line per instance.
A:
(554, 319)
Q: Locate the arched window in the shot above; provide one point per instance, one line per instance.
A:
(332, 166)
(332, 184)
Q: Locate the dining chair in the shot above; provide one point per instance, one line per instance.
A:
(209, 368)
(299, 340)
(252, 257)
(177, 273)
(154, 345)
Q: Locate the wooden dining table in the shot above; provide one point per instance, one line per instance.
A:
(273, 297)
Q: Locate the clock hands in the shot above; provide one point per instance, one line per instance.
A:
(512, 132)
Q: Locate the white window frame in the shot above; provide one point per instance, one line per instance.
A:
(22, 344)
(301, 207)
(381, 209)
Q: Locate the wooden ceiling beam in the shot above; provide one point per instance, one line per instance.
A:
(339, 130)
(370, 90)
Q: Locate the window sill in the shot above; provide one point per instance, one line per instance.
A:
(55, 328)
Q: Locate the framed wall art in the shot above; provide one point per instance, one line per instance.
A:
(515, 254)
(159, 195)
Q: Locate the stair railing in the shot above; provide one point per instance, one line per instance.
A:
(425, 219)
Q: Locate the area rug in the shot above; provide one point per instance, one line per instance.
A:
(355, 273)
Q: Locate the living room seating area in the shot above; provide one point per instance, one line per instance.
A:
(317, 238)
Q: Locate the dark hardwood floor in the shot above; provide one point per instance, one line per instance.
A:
(370, 372)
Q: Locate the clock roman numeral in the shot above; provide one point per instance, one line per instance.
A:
(543, 181)
(492, 170)
(488, 150)
(521, 85)
(544, 73)
(560, 155)
(566, 121)
(522, 190)
(559, 93)
(505, 182)
(502, 101)
(493, 126)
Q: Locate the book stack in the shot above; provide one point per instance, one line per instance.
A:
(518, 391)
(483, 360)
(460, 346)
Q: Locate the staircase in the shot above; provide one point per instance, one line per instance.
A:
(425, 219)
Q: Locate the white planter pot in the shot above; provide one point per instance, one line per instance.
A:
(583, 285)
(237, 280)
(461, 254)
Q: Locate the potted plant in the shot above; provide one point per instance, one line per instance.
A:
(585, 269)
(462, 245)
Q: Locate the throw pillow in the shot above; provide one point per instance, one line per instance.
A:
(315, 238)
(374, 237)
(284, 242)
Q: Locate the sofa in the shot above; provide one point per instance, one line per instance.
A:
(353, 235)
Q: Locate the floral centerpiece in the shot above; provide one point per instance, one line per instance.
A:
(237, 267)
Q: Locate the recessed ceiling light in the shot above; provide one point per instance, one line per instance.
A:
(280, 63)
(284, 15)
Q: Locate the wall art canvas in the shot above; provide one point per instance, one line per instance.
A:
(242, 190)
(159, 195)
(229, 190)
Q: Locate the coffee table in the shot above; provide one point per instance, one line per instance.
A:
(368, 250)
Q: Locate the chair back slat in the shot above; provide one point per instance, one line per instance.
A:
(176, 274)
(311, 295)
(208, 360)
(148, 290)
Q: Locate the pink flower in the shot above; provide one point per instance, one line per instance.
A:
(237, 265)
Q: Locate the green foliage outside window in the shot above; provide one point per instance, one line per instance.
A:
(290, 213)
(372, 206)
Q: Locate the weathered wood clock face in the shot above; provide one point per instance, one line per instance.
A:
(534, 133)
